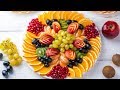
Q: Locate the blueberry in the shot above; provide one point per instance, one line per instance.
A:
(39, 58)
(70, 65)
(88, 46)
(49, 60)
(84, 50)
(1, 56)
(81, 27)
(46, 65)
(86, 41)
(43, 45)
(75, 63)
(48, 22)
(5, 73)
(38, 45)
(79, 60)
(69, 22)
(74, 21)
(35, 41)
(54, 20)
(80, 50)
(6, 63)
(9, 69)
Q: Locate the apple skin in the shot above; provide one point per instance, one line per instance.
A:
(110, 29)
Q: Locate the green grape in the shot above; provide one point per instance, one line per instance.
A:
(71, 46)
(64, 37)
(51, 46)
(62, 33)
(68, 35)
(9, 51)
(19, 59)
(66, 47)
(64, 41)
(62, 50)
(71, 41)
(5, 51)
(14, 62)
(55, 46)
(68, 38)
(62, 45)
(60, 38)
(10, 57)
(57, 42)
(16, 56)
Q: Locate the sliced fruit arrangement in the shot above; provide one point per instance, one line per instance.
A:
(9, 48)
(61, 44)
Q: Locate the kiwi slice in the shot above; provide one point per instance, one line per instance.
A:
(40, 51)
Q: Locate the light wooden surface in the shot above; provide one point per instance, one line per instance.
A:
(13, 25)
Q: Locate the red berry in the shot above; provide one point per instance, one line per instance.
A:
(35, 26)
(58, 72)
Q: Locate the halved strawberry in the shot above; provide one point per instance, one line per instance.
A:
(73, 27)
(52, 52)
(70, 54)
(46, 39)
(56, 26)
(79, 43)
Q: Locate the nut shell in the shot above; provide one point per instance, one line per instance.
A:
(108, 71)
(116, 59)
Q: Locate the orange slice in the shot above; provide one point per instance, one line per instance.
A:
(80, 66)
(29, 52)
(71, 73)
(51, 13)
(90, 62)
(96, 40)
(77, 15)
(45, 16)
(27, 39)
(93, 54)
(62, 15)
(81, 16)
(71, 15)
(85, 65)
(28, 49)
(29, 55)
(25, 44)
(94, 48)
(36, 62)
(30, 59)
(37, 67)
(62, 64)
(31, 35)
(41, 19)
(85, 22)
(67, 14)
(56, 15)
(77, 71)
(74, 15)
(95, 43)
(45, 70)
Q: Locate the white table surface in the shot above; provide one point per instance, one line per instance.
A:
(13, 25)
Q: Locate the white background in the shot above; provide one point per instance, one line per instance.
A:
(13, 25)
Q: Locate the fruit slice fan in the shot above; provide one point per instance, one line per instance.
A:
(61, 44)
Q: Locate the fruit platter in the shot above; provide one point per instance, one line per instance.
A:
(61, 44)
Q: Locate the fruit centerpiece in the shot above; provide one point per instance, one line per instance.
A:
(61, 44)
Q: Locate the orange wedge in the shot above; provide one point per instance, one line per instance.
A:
(37, 67)
(71, 73)
(85, 22)
(36, 62)
(29, 37)
(77, 71)
(90, 62)
(80, 66)
(85, 65)
(29, 55)
(30, 59)
(45, 70)
(51, 13)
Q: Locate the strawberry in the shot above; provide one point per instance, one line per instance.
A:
(52, 52)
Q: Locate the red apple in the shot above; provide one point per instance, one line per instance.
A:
(56, 26)
(110, 29)
(52, 52)
(70, 54)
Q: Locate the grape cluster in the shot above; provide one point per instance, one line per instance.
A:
(63, 41)
(10, 49)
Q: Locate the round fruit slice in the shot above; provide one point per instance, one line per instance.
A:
(45, 70)
(81, 16)
(29, 55)
(72, 15)
(94, 43)
(45, 16)
(85, 22)
(94, 48)
(56, 15)
(27, 36)
(85, 65)
(28, 49)
(31, 35)
(27, 39)
(96, 40)
(36, 62)
(28, 52)
(71, 73)
(62, 15)
(77, 71)
(30, 59)
(93, 54)
(90, 62)
(41, 19)
(75, 15)
(81, 68)
(28, 46)
(67, 15)
(37, 67)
